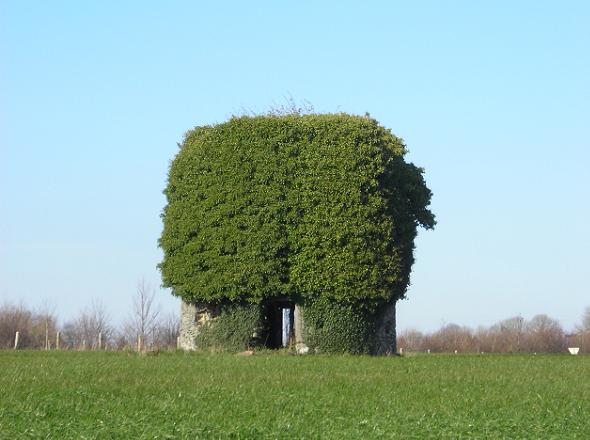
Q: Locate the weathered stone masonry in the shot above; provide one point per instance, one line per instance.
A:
(194, 315)
(192, 318)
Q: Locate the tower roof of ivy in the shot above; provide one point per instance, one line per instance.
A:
(310, 207)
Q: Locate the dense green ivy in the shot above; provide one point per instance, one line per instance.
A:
(322, 209)
(308, 207)
(332, 327)
(224, 232)
(238, 327)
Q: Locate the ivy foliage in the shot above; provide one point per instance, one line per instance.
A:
(237, 328)
(309, 207)
(332, 327)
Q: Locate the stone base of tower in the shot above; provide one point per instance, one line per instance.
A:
(192, 318)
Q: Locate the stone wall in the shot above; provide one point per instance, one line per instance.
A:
(298, 328)
(192, 318)
(188, 327)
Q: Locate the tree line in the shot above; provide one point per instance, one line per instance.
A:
(541, 334)
(146, 328)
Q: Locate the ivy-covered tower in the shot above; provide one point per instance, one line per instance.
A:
(309, 219)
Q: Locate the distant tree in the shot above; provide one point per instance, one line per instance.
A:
(15, 318)
(485, 340)
(166, 331)
(85, 330)
(451, 337)
(545, 335)
(141, 325)
(585, 325)
(580, 340)
(541, 334)
(36, 328)
(507, 336)
(44, 326)
(410, 340)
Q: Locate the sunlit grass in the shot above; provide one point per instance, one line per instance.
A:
(117, 395)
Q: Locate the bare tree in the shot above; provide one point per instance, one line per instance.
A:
(513, 335)
(485, 339)
(581, 338)
(35, 327)
(507, 336)
(15, 318)
(92, 329)
(141, 326)
(166, 332)
(585, 325)
(451, 337)
(44, 326)
(544, 334)
(410, 340)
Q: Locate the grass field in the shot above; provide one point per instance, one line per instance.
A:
(62, 395)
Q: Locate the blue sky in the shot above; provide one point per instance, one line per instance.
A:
(493, 100)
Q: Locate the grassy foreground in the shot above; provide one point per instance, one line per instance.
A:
(62, 395)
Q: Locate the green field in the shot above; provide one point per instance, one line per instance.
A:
(63, 395)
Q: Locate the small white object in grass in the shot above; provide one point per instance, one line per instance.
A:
(574, 350)
(428, 351)
(455, 351)
(301, 349)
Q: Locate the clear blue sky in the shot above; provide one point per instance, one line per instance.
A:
(492, 99)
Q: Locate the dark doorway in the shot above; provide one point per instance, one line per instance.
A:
(280, 319)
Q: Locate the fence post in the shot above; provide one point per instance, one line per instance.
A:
(99, 340)
(46, 335)
(16, 340)
(57, 341)
(178, 342)
(139, 343)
